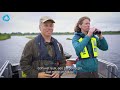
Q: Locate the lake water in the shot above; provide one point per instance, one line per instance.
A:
(11, 49)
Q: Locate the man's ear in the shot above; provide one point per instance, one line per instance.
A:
(39, 27)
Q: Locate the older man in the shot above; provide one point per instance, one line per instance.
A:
(44, 54)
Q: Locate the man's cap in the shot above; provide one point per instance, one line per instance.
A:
(46, 18)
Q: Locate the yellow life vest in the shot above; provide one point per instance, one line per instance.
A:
(84, 53)
(23, 75)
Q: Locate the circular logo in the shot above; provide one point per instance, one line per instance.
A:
(6, 18)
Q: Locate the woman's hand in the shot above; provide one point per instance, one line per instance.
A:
(100, 35)
(90, 32)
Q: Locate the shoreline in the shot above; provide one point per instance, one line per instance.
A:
(4, 37)
(8, 36)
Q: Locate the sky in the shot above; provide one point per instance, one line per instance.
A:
(64, 21)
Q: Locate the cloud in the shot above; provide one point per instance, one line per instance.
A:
(65, 21)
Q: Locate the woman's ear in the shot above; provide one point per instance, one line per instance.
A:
(79, 26)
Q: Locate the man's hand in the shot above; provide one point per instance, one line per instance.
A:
(56, 75)
(44, 75)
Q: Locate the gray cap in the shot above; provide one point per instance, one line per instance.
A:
(46, 18)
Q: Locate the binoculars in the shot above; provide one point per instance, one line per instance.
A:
(96, 32)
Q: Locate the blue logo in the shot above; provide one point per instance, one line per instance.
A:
(6, 18)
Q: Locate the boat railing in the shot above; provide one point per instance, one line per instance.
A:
(6, 70)
(107, 69)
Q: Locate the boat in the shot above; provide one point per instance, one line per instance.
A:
(68, 39)
(105, 69)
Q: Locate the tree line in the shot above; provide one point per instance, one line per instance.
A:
(56, 33)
